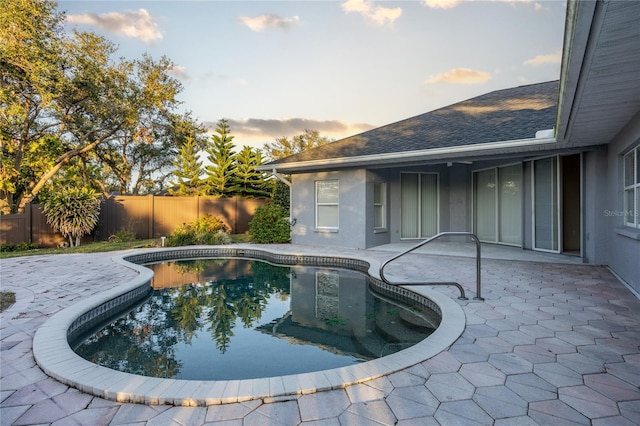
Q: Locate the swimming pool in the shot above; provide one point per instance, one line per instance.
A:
(54, 355)
(230, 318)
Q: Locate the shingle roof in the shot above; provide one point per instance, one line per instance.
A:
(502, 115)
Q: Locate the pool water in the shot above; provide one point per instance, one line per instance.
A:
(228, 319)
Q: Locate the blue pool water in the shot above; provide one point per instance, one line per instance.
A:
(228, 319)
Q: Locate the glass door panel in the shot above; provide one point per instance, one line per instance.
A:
(510, 204)
(545, 182)
(419, 205)
(428, 205)
(485, 205)
(409, 205)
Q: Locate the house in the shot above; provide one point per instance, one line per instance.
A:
(552, 167)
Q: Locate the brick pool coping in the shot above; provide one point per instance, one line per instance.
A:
(56, 358)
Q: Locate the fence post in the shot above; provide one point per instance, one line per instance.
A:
(235, 215)
(151, 214)
(27, 223)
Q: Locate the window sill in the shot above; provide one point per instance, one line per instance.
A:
(326, 230)
(629, 232)
(380, 231)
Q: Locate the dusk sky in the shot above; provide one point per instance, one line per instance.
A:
(274, 68)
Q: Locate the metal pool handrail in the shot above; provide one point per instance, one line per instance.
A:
(428, 240)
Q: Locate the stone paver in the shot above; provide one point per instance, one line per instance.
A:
(552, 344)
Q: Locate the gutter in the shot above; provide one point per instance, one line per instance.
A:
(544, 137)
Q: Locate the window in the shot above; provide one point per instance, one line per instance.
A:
(327, 194)
(379, 205)
(632, 188)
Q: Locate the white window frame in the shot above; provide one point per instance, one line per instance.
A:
(319, 204)
(631, 214)
(381, 205)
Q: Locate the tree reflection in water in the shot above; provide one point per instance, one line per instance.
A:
(238, 318)
(143, 341)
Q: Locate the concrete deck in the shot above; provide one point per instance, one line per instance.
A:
(553, 343)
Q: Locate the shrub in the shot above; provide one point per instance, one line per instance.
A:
(270, 225)
(123, 236)
(281, 195)
(207, 230)
(127, 234)
(73, 212)
(26, 246)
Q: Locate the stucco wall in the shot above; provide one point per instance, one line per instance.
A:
(376, 237)
(352, 211)
(623, 242)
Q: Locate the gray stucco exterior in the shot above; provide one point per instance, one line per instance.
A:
(588, 121)
(622, 252)
(604, 239)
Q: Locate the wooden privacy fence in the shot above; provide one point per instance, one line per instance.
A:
(148, 216)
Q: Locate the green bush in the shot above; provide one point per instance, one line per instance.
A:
(281, 195)
(207, 230)
(73, 212)
(123, 236)
(18, 247)
(270, 225)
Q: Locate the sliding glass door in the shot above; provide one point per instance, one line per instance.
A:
(546, 204)
(485, 205)
(419, 204)
(498, 204)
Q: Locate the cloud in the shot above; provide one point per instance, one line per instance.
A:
(258, 131)
(136, 24)
(448, 4)
(179, 72)
(441, 4)
(262, 22)
(377, 14)
(551, 58)
(459, 76)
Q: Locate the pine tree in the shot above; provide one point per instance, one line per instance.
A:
(251, 182)
(221, 179)
(188, 170)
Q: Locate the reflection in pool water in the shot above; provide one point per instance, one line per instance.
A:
(226, 319)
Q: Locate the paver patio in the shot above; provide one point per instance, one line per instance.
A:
(551, 344)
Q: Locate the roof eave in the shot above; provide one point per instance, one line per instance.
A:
(578, 32)
(446, 153)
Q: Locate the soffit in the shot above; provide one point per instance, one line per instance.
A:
(603, 73)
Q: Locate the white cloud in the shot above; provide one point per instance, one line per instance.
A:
(459, 76)
(448, 4)
(136, 24)
(179, 72)
(551, 58)
(262, 22)
(377, 14)
(441, 4)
